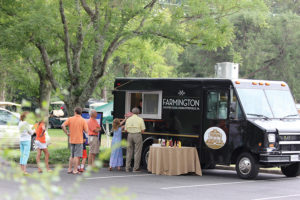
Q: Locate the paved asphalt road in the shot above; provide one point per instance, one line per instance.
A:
(214, 184)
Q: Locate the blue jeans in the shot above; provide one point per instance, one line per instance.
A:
(25, 151)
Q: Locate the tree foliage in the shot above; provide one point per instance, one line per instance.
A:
(73, 43)
(265, 49)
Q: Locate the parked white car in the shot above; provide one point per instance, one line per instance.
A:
(9, 130)
(13, 107)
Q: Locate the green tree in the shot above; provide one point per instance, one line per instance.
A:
(197, 61)
(15, 83)
(263, 52)
(21, 36)
(116, 23)
(274, 54)
(84, 37)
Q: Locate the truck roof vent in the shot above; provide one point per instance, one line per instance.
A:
(227, 70)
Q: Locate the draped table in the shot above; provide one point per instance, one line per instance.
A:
(173, 161)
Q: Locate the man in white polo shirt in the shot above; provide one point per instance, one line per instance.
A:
(135, 126)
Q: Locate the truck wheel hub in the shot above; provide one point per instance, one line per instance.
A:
(245, 166)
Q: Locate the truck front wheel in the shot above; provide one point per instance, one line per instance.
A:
(292, 170)
(247, 166)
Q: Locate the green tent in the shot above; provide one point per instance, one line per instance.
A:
(106, 109)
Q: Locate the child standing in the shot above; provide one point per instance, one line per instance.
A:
(116, 157)
(41, 144)
(81, 167)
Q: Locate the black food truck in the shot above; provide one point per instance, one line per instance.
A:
(249, 123)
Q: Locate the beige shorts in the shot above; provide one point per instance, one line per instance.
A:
(94, 144)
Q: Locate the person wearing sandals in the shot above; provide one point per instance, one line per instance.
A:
(41, 144)
(116, 157)
(25, 141)
(76, 126)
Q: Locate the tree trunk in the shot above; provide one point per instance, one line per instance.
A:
(3, 86)
(2, 91)
(2, 94)
(126, 69)
(71, 103)
(104, 94)
(44, 100)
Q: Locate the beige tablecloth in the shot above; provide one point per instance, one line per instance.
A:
(173, 161)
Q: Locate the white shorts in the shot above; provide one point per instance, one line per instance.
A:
(40, 145)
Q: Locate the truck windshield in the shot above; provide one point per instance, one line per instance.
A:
(267, 103)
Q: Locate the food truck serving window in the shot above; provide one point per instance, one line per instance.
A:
(149, 103)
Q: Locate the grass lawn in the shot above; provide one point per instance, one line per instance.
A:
(59, 139)
(58, 149)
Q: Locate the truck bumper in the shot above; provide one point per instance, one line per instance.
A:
(280, 159)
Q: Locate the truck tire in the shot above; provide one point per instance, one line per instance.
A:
(292, 170)
(247, 166)
(145, 156)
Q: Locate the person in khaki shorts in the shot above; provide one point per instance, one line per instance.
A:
(135, 126)
(93, 139)
(76, 126)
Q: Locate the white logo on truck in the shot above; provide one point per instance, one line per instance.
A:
(181, 92)
(215, 138)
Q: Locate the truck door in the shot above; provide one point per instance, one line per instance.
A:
(215, 127)
(238, 124)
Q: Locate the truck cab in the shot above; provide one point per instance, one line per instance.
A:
(272, 134)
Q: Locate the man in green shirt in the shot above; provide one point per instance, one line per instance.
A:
(135, 126)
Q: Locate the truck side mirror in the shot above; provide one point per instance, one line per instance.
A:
(233, 107)
(232, 115)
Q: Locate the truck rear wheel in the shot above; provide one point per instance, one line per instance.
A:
(247, 166)
(292, 170)
(145, 156)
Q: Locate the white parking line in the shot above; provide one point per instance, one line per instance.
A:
(226, 183)
(279, 197)
(108, 177)
(205, 185)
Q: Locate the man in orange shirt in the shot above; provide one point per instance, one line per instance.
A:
(76, 126)
(94, 142)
